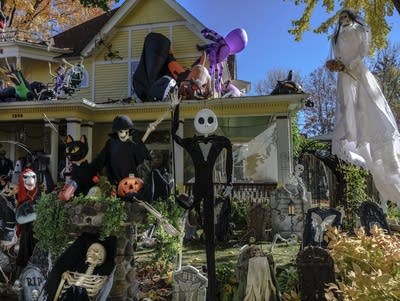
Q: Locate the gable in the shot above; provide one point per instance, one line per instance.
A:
(151, 11)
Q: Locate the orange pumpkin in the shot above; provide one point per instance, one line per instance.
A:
(129, 184)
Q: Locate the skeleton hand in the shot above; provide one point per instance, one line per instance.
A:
(227, 192)
(174, 98)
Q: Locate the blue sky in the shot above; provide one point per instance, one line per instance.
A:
(270, 46)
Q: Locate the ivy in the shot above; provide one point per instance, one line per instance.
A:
(50, 224)
(52, 228)
(354, 192)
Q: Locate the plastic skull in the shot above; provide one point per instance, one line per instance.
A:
(206, 122)
(298, 170)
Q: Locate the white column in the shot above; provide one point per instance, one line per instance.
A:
(87, 130)
(178, 161)
(53, 150)
(284, 148)
(74, 127)
(11, 148)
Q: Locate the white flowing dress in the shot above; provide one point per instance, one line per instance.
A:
(366, 132)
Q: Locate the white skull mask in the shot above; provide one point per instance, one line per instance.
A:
(29, 180)
(206, 122)
(123, 135)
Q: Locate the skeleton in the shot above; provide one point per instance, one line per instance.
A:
(95, 256)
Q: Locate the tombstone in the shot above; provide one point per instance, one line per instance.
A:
(189, 285)
(31, 282)
(222, 211)
(315, 269)
(317, 222)
(371, 214)
(258, 221)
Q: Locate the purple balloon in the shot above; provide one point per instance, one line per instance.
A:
(236, 40)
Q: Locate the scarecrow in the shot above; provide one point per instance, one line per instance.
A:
(204, 151)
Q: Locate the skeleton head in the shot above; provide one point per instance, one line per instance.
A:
(345, 19)
(29, 178)
(96, 254)
(205, 122)
(298, 170)
(255, 251)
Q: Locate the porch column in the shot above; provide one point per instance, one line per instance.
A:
(178, 161)
(284, 148)
(74, 127)
(51, 147)
(87, 130)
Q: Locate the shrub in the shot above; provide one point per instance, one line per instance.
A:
(368, 267)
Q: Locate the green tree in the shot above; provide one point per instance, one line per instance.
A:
(375, 13)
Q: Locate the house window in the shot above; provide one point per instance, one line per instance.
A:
(134, 66)
(85, 79)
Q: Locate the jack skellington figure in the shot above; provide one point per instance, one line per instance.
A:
(204, 151)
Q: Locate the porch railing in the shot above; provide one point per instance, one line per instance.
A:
(245, 191)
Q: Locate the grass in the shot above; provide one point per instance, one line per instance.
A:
(194, 253)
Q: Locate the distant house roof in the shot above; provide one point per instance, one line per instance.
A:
(76, 38)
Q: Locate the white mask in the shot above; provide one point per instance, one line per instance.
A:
(206, 122)
(29, 180)
(123, 135)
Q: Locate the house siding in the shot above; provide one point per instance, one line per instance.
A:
(159, 12)
(111, 81)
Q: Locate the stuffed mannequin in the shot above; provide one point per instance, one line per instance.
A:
(204, 151)
(159, 178)
(81, 174)
(28, 193)
(121, 155)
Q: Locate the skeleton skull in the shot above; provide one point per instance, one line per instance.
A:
(298, 170)
(344, 18)
(123, 135)
(205, 122)
(29, 180)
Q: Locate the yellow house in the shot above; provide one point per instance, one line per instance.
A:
(111, 46)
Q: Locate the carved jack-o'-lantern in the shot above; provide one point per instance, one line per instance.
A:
(129, 184)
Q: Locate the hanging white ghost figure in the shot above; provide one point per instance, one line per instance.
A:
(16, 172)
(206, 122)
